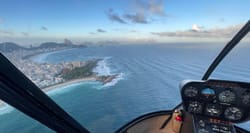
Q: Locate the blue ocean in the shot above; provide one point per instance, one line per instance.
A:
(149, 77)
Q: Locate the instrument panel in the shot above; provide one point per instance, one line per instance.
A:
(225, 100)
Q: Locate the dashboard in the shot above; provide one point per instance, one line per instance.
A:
(222, 100)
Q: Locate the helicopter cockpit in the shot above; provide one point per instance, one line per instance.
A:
(215, 104)
(208, 105)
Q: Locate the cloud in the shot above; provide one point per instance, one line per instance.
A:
(43, 28)
(101, 31)
(196, 28)
(7, 32)
(142, 12)
(115, 17)
(25, 33)
(200, 32)
(136, 18)
(156, 7)
(92, 33)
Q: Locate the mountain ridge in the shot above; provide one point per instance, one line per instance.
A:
(11, 46)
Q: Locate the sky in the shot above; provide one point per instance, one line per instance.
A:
(121, 21)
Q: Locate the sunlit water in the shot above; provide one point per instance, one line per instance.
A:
(149, 76)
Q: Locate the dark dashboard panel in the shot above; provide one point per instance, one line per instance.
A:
(225, 100)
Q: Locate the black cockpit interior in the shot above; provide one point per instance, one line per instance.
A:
(216, 104)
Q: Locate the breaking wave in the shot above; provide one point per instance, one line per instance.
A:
(103, 69)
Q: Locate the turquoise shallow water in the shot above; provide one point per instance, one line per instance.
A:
(149, 76)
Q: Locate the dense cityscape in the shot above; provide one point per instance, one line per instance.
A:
(42, 74)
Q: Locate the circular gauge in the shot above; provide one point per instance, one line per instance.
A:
(227, 96)
(195, 107)
(233, 113)
(246, 98)
(208, 93)
(190, 91)
(213, 110)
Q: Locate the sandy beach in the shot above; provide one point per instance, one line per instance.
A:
(58, 86)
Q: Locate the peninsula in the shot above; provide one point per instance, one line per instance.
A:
(49, 76)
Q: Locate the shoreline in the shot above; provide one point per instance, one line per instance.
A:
(60, 85)
(39, 53)
(74, 81)
(27, 57)
(94, 77)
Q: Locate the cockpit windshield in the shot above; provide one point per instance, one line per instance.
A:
(108, 62)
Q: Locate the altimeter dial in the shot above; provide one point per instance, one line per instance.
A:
(227, 96)
(190, 91)
(195, 107)
(213, 110)
(233, 113)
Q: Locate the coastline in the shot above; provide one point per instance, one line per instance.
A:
(94, 77)
(74, 81)
(45, 52)
(60, 85)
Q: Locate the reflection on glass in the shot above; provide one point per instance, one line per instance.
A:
(13, 121)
